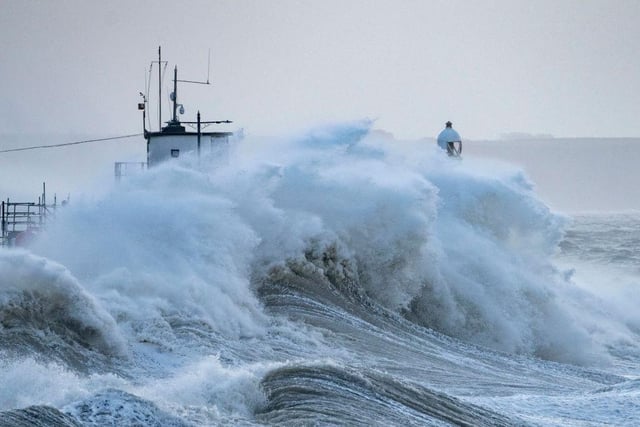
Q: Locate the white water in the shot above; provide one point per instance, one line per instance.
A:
(204, 291)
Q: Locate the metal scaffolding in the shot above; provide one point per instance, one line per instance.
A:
(19, 221)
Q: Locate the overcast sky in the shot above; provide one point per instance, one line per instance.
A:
(560, 67)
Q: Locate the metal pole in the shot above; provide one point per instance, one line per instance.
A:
(175, 92)
(159, 89)
(14, 214)
(198, 133)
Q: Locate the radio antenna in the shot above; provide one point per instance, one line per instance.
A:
(159, 88)
(208, 70)
(208, 64)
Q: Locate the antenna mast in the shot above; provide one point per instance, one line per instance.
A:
(208, 70)
(160, 73)
(159, 88)
(175, 93)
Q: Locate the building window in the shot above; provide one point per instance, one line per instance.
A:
(175, 152)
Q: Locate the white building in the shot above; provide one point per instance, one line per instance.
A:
(174, 141)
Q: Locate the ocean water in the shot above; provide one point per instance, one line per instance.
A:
(339, 277)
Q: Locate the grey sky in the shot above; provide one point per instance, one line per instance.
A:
(562, 67)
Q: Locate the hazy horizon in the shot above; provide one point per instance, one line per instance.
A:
(571, 175)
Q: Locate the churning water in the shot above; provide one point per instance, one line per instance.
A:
(340, 277)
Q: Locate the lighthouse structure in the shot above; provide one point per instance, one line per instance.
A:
(174, 140)
(450, 140)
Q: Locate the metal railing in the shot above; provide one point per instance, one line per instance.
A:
(19, 221)
(123, 169)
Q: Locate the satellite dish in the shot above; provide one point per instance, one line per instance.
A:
(181, 109)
